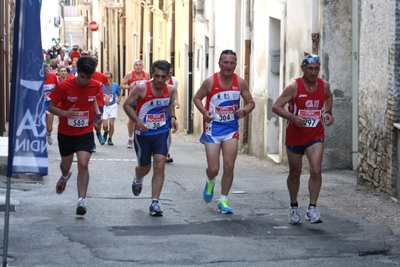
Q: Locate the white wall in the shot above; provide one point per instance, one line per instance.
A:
(49, 31)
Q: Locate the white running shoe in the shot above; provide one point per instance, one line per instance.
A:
(294, 215)
(49, 139)
(130, 144)
(81, 208)
(313, 216)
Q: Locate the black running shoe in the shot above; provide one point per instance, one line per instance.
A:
(169, 159)
(155, 210)
(136, 188)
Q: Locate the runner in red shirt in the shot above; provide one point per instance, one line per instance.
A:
(127, 83)
(310, 101)
(103, 80)
(78, 106)
(50, 82)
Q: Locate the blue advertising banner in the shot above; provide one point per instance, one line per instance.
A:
(27, 149)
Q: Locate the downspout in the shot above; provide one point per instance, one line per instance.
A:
(355, 84)
(141, 32)
(151, 25)
(2, 69)
(123, 43)
(173, 38)
(190, 70)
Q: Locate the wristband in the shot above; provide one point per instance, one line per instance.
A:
(172, 117)
(244, 113)
(328, 112)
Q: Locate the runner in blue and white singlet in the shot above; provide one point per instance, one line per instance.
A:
(222, 103)
(153, 111)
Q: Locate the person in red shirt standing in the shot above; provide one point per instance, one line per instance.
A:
(78, 106)
(127, 83)
(310, 101)
(50, 82)
(103, 80)
(74, 55)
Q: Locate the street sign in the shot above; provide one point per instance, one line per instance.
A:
(93, 26)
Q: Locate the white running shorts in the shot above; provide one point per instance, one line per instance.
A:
(110, 112)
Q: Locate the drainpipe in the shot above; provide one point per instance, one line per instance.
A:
(355, 84)
(190, 71)
(141, 32)
(151, 26)
(173, 38)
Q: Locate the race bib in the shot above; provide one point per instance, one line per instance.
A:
(155, 121)
(79, 119)
(224, 114)
(312, 117)
(47, 96)
(109, 97)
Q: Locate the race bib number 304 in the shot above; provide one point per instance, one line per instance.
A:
(79, 119)
(312, 117)
(155, 121)
(224, 114)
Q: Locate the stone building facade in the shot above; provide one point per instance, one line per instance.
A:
(379, 99)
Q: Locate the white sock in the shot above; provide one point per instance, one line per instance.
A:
(223, 197)
(211, 180)
(138, 181)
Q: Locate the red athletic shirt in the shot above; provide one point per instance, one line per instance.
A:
(308, 105)
(102, 79)
(134, 78)
(70, 94)
(74, 55)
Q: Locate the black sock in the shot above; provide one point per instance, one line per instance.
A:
(293, 205)
(312, 205)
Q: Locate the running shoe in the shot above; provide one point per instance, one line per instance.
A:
(105, 135)
(136, 188)
(130, 144)
(94, 149)
(208, 191)
(60, 187)
(294, 215)
(101, 139)
(169, 159)
(313, 216)
(49, 138)
(155, 209)
(81, 208)
(223, 206)
(110, 142)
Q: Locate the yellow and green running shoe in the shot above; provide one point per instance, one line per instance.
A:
(223, 206)
(208, 192)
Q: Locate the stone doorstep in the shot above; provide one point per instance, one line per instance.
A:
(4, 163)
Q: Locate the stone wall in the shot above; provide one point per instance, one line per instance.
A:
(336, 49)
(378, 95)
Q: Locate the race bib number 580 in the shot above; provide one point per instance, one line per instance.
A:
(79, 119)
(312, 117)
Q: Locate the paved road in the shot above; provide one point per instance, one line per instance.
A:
(360, 228)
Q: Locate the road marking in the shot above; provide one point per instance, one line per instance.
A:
(111, 160)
